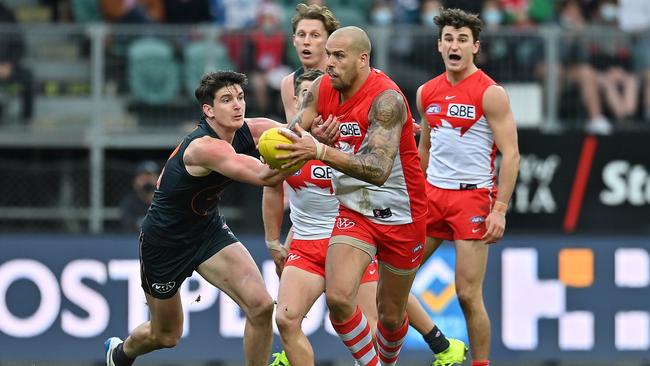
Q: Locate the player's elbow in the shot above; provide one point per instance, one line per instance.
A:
(512, 156)
(379, 180)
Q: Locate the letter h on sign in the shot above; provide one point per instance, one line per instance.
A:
(526, 299)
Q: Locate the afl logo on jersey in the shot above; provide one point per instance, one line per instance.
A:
(349, 129)
(433, 109)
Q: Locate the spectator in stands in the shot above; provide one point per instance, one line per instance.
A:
(634, 18)
(611, 53)
(14, 77)
(469, 6)
(134, 206)
(574, 68)
(492, 15)
(415, 60)
(527, 11)
(265, 62)
(132, 11)
(234, 14)
(429, 9)
(381, 13)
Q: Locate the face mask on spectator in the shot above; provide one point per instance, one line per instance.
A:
(492, 16)
(382, 17)
(609, 12)
(427, 18)
(567, 22)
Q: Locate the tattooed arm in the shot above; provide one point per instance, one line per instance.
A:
(308, 109)
(387, 116)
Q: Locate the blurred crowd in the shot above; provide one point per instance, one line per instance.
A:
(604, 55)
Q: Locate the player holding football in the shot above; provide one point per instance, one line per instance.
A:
(376, 177)
(312, 25)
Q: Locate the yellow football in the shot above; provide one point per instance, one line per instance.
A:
(267, 147)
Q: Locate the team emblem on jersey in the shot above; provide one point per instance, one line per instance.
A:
(162, 288)
(344, 223)
(465, 111)
(433, 109)
(477, 219)
(349, 129)
(292, 257)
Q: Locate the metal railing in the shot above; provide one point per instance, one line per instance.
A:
(88, 102)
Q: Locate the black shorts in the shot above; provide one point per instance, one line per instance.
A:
(163, 269)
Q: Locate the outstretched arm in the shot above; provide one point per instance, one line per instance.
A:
(497, 111)
(387, 116)
(207, 154)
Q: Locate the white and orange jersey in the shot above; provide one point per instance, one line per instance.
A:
(400, 200)
(462, 145)
(313, 204)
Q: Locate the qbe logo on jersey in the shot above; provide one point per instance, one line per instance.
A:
(321, 172)
(465, 111)
(349, 129)
(434, 287)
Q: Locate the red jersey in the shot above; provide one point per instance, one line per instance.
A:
(401, 199)
(462, 145)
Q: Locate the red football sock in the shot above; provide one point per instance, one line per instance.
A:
(355, 333)
(390, 343)
(481, 363)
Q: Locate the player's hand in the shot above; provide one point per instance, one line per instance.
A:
(417, 129)
(303, 147)
(279, 256)
(326, 131)
(496, 226)
(270, 176)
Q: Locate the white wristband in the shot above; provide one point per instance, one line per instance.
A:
(320, 148)
(274, 245)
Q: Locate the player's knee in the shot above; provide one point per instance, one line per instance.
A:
(167, 340)
(338, 300)
(468, 298)
(287, 321)
(261, 308)
(391, 321)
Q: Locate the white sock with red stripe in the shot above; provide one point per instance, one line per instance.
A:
(390, 343)
(355, 333)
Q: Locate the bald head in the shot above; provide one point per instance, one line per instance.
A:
(356, 38)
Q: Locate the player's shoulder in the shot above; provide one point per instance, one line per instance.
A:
(485, 78)
(495, 93)
(435, 82)
(208, 145)
(287, 82)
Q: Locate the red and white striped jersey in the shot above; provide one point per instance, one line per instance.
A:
(401, 199)
(462, 145)
(313, 204)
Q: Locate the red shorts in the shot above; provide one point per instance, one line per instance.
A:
(458, 214)
(309, 255)
(399, 246)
